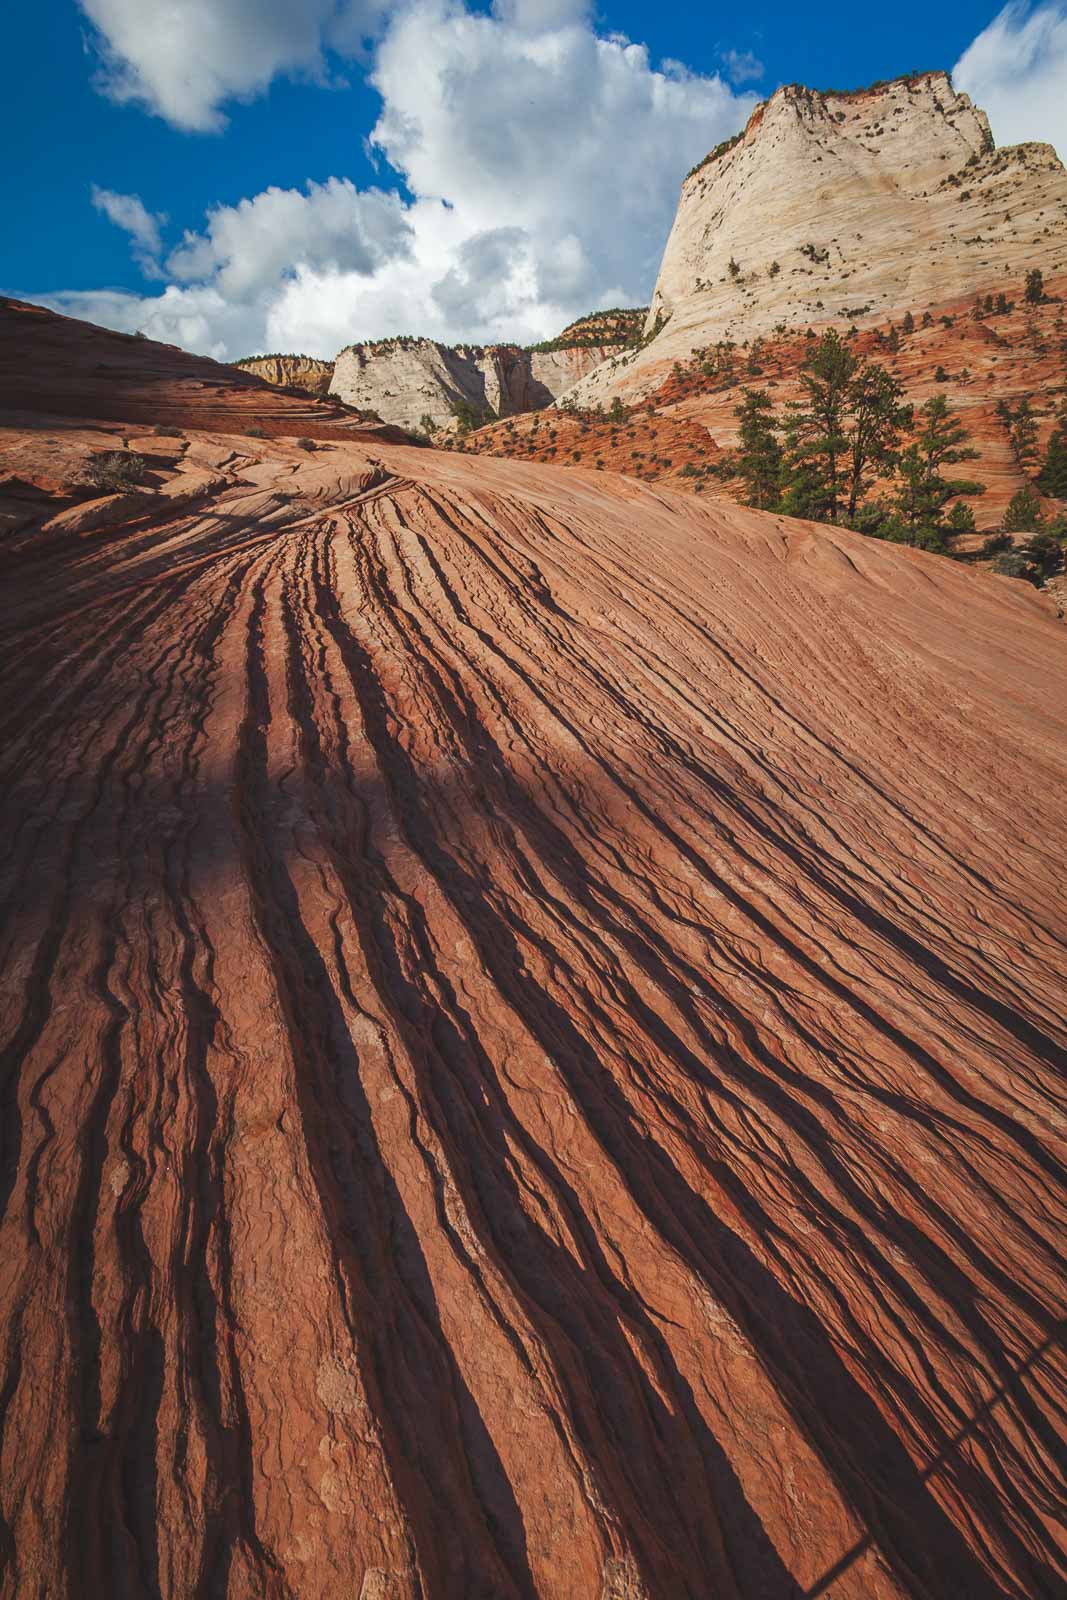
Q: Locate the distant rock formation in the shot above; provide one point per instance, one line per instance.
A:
(291, 372)
(844, 206)
(419, 383)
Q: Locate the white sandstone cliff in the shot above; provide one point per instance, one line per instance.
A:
(844, 206)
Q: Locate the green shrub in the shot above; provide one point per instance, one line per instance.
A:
(257, 433)
(164, 431)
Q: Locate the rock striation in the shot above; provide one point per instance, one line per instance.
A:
(532, 1041)
(419, 383)
(291, 372)
(832, 204)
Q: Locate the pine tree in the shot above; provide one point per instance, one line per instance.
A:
(1024, 434)
(816, 443)
(1052, 479)
(924, 490)
(759, 460)
(1024, 512)
(876, 416)
(960, 518)
(1035, 287)
(908, 323)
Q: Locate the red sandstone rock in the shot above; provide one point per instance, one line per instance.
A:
(533, 1044)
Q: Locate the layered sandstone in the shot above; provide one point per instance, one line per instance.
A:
(532, 1041)
(831, 204)
(292, 372)
(55, 364)
(419, 383)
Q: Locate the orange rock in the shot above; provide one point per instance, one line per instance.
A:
(533, 1041)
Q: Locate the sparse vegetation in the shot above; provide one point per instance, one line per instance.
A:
(115, 471)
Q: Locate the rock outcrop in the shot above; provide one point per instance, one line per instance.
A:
(418, 383)
(533, 1038)
(834, 205)
(50, 363)
(292, 372)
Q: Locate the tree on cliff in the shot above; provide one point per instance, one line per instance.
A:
(842, 434)
(1052, 479)
(1035, 287)
(759, 460)
(816, 441)
(924, 489)
(877, 415)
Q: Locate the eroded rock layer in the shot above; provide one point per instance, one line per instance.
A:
(533, 1049)
(829, 204)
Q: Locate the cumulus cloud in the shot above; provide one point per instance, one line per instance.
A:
(128, 212)
(330, 228)
(542, 161)
(183, 59)
(1016, 70)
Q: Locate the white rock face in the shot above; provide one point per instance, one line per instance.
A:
(873, 203)
(405, 381)
(295, 372)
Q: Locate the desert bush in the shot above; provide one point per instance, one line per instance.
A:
(257, 433)
(115, 471)
(165, 431)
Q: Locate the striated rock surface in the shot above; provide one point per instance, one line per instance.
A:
(58, 365)
(408, 381)
(532, 1045)
(292, 372)
(868, 202)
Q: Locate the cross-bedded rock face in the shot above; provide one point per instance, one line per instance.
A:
(532, 1030)
(869, 203)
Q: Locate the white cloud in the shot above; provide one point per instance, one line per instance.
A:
(333, 228)
(544, 161)
(128, 212)
(183, 59)
(1016, 70)
(742, 66)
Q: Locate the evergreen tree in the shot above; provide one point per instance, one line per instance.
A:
(876, 416)
(960, 518)
(924, 489)
(1024, 512)
(1035, 287)
(1024, 434)
(759, 460)
(908, 323)
(816, 441)
(1052, 479)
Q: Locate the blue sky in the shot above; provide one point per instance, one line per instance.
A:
(526, 163)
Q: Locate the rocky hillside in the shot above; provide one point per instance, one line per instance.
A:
(58, 365)
(533, 1019)
(293, 372)
(421, 384)
(684, 431)
(836, 205)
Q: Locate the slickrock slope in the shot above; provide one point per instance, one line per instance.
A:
(66, 368)
(410, 380)
(291, 372)
(533, 1047)
(871, 201)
